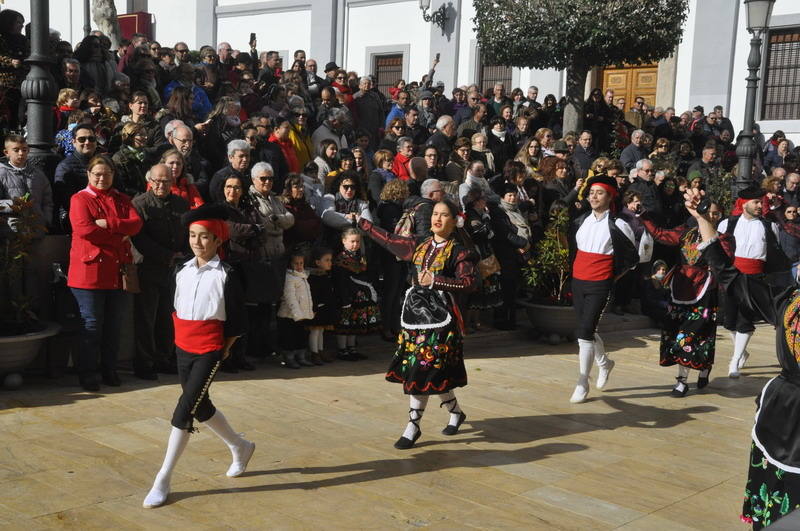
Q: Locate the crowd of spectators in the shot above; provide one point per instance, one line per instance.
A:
(297, 153)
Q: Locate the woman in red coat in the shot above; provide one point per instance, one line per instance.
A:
(103, 220)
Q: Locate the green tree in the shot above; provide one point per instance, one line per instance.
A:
(577, 35)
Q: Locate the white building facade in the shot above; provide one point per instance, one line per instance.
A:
(389, 38)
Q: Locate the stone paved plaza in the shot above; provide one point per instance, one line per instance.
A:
(630, 458)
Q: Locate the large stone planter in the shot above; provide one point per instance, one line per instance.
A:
(560, 321)
(17, 352)
(547, 318)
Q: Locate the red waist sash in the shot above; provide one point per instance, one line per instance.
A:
(749, 266)
(198, 337)
(593, 266)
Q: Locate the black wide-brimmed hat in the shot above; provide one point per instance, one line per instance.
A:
(609, 183)
(212, 217)
(752, 192)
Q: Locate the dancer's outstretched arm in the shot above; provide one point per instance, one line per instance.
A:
(401, 246)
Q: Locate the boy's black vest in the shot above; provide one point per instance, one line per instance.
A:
(777, 261)
(626, 256)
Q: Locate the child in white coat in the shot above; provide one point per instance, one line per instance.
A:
(295, 310)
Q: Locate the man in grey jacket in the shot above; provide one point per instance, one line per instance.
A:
(633, 152)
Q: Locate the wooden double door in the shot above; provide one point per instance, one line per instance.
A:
(630, 82)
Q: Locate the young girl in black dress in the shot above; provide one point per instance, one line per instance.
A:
(357, 297)
(325, 304)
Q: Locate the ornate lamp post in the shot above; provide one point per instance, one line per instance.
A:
(87, 24)
(438, 17)
(39, 90)
(758, 15)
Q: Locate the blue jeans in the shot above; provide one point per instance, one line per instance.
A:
(101, 314)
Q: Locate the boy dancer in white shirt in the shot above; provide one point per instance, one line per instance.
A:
(209, 316)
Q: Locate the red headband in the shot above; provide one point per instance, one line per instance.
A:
(217, 227)
(608, 188)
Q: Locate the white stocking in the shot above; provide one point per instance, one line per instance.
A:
(683, 373)
(600, 356)
(351, 341)
(175, 446)
(451, 403)
(740, 344)
(416, 405)
(341, 342)
(586, 353)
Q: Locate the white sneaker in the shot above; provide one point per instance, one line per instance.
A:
(733, 368)
(241, 457)
(743, 358)
(603, 374)
(581, 391)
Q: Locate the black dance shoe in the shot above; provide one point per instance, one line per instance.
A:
(680, 393)
(89, 382)
(356, 354)
(702, 382)
(344, 354)
(111, 378)
(404, 443)
(452, 430)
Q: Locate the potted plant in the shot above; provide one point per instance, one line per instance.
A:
(21, 332)
(547, 277)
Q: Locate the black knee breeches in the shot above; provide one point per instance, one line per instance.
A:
(196, 372)
(589, 298)
(738, 318)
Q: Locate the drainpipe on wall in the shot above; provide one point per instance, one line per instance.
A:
(338, 45)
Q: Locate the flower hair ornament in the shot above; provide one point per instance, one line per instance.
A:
(460, 219)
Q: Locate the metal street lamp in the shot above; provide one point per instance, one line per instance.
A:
(438, 17)
(39, 90)
(758, 15)
(87, 25)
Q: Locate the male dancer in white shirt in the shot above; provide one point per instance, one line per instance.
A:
(756, 252)
(604, 250)
(209, 316)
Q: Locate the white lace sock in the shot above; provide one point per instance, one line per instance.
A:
(450, 401)
(683, 374)
(241, 449)
(416, 404)
(341, 342)
(313, 340)
(160, 490)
